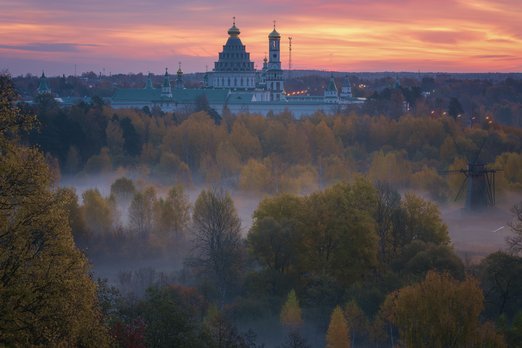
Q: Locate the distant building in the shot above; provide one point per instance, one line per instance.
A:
(43, 86)
(44, 89)
(236, 85)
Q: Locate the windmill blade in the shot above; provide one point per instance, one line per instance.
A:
(451, 171)
(457, 148)
(461, 189)
(490, 187)
(479, 151)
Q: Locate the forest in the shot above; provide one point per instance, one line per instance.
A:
(346, 247)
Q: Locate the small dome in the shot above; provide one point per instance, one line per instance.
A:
(274, 35)
(234, 31)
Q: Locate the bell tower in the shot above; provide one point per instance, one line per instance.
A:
(274, 49)
(274, 74)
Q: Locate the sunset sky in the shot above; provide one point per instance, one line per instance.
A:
(120, 36)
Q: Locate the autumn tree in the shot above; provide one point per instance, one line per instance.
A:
(172, 214)
(357, 321)
(216, 240)
(391, 167)
(438, 312)
(255, 176)
(46, 295)
(340, 238)
(141, 212)
(337, 335)
(123, 189)
(423, 221)
(99, 164)
(98, 212)
(291, 312)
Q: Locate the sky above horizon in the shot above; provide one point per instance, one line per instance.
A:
(118, 36)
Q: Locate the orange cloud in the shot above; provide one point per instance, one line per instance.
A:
(359, 35)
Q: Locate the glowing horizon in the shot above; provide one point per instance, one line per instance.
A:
(339, 35)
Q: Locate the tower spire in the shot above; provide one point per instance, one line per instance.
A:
(179, 77)
(233, 31)
(43, 87)
(166, 90)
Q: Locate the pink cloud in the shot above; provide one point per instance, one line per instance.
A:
(336, 34)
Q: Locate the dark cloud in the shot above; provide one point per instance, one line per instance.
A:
(48, 47)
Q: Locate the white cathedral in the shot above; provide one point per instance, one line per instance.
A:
(236, 85)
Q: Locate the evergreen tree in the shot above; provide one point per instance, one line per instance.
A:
(291, 312)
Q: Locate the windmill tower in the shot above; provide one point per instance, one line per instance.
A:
(479, 182)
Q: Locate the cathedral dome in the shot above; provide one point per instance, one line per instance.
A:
(234, 56)
(274, 35)
(234, 31)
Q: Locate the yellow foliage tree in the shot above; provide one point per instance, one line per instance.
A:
(438, 312)
(47, 297)
(337, 335)
(255, 176)
(390, 167)
(291, 312)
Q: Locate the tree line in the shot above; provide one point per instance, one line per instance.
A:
(362, 248)
(276, 153)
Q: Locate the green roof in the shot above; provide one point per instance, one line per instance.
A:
(331, 85)
(136, 94)
(189, 95)
(43, 87)
(183, 96)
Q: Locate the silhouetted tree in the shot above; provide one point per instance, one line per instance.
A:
(217, 239)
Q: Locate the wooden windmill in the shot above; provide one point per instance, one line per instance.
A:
(479, 182)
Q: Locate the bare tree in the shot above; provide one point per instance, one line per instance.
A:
(515, 241)
(217, 239)
(388, 203)
(140, 212)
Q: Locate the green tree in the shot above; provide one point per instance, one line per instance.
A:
(274, 238)
(515, 241)
(388, 205)
(500, 278)
(423, 221)
(46, 295)
(340, 238)
(337, 335)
